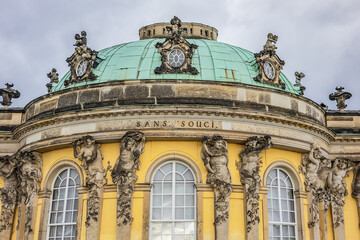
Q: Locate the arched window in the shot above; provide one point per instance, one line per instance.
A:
(281, 206)
(64, 206)
(173, 208)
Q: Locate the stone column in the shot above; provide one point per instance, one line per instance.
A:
(249, 166)
(216, 158)
(8, 195)
(124, 176)
(89, 153)
(30, 174)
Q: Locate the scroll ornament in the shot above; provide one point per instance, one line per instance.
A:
(216, 158)
(89, 153)
(124, 173)
(249, 175)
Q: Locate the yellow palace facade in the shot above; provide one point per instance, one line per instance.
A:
(178, 136)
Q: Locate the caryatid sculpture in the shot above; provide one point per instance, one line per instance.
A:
(216, 159)
(317, 170)
(356, 186)
(124, 176)
(248, 166)
(337, 188)
(89, 153)
(7, 94)
(30, 176)
(8, 194)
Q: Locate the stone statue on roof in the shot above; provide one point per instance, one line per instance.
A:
(8, 93)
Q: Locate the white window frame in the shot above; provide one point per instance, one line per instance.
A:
(49, 225)
(173, 194)
(278, 169)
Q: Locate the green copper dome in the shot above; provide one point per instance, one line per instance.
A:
(214, 60)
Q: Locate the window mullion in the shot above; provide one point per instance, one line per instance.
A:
(65, 201)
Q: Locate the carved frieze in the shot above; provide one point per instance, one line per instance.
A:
(81, 61)
(248, 167)
(124, 173)
(216, 159)
(7, 94)
(269, 63)
(176, 52)
(89, 153)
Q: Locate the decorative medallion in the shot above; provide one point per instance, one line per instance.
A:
(176, 52)
(81, 61)
(269, 64)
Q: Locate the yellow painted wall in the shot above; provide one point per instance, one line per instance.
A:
(191, 149)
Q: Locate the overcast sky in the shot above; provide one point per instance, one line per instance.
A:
(320, 38)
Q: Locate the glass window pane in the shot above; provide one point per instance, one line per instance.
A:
(156, 228)
(156, 213)
(189, 213)
(179, 200)
(179, 188)
(159, 176)
(167, 213)
(157, 188)
(172, 213)
(157, 201)
(167, 188)
(281, 211)
(167, 201)
(168, 177)
(180, 168)
(179, 228)
(178, 177)
(63, 209)
(188, 176)
(179, 213)
(189, 228)
(167, 168)
(189, 187)
(189, 201)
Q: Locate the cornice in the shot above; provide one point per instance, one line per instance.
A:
(21, 130)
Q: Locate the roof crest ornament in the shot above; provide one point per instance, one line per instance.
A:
(340, 97)
(299, 76)
(81, 61)
(7, 94)
(54, 78)
(269, 63)
(176, 52)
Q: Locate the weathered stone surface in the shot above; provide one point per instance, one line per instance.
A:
(136, 92)
(89, 96)
(265, 98)
(294, 105)
(112, 93)
(162, 91)
(5, 116)
(49, 105)
(67, 100)
(30, 112)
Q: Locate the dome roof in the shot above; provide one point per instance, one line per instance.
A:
(214, 60)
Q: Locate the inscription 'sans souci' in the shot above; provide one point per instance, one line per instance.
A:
(176, 124)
